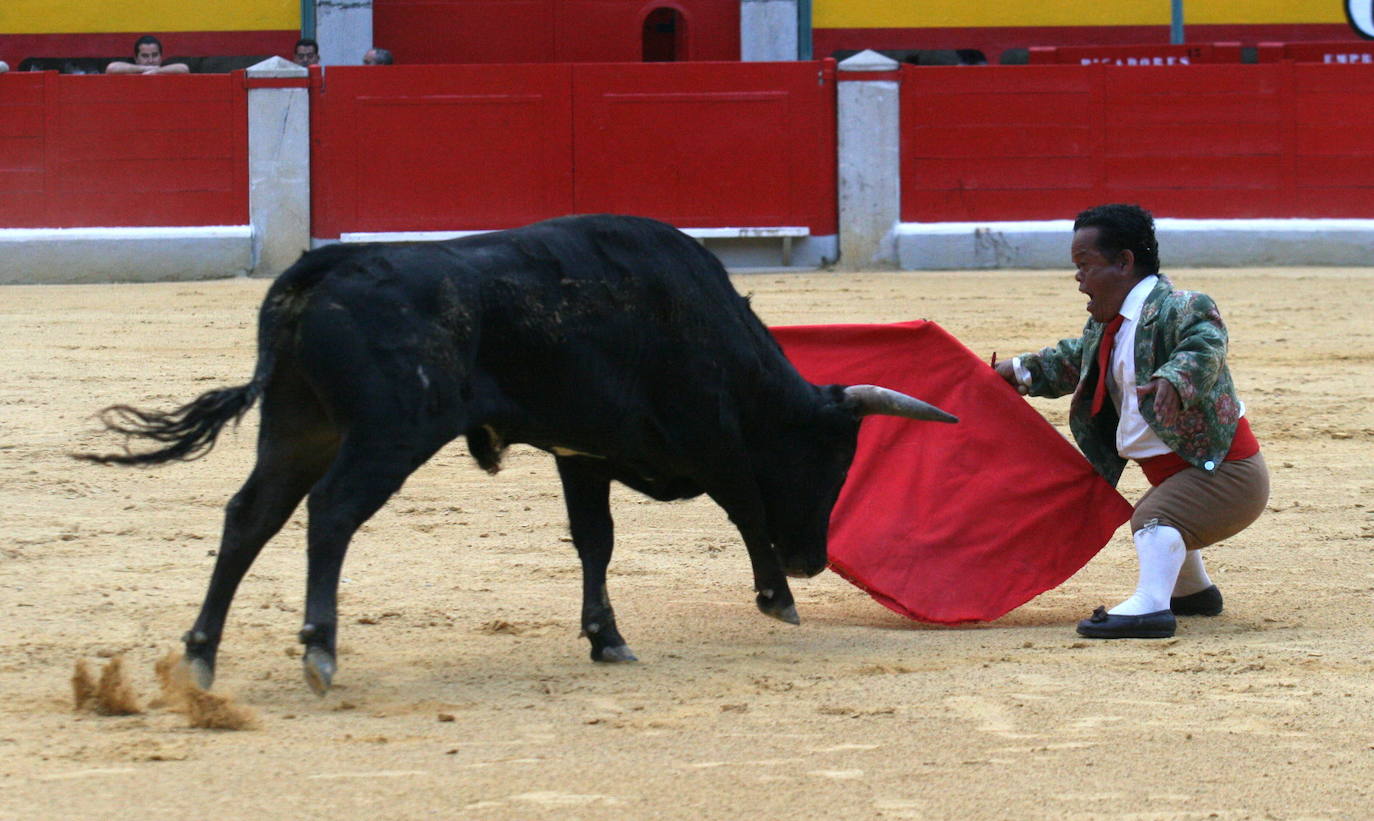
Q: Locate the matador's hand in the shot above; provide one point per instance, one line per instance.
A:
(1167, 404)
(1005, 371)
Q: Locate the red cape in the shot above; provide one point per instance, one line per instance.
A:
(952, 523)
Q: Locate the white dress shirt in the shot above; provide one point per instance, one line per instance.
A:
(1134, 439)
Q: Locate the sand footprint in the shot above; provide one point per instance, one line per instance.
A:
(551, 798)
(992, 717)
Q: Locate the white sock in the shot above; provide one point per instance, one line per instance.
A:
(1160, 551)
(1192, 577)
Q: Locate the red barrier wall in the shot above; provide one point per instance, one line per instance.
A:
(110, 151)
(547, 31)
(1213, 141)
(708, 145)
(414, 148)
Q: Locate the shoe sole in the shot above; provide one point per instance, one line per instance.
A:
(1141, 634)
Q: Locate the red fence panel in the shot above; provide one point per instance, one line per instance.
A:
(1216, 141)
(1017, 142)
(449, 148)
(1208, 141)
(709, 144)
(1333, 156)
(416, 148)
(23, 126)
(113, 151)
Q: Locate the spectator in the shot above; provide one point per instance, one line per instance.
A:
(307, 52)
(147, 60)
(378, 57)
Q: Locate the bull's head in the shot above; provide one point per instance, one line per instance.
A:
(809, 467)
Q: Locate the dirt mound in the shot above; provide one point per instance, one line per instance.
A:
(203, 709)
(112, 695)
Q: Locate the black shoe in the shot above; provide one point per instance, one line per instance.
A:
(1103, 625)
(1202, 603)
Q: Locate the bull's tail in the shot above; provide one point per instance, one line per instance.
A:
(187, 433)
(190, 431)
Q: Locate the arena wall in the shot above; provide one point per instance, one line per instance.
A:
(109, 151)
(1273, 157)
(710, 147)
(1244, 164)
(1202, 141)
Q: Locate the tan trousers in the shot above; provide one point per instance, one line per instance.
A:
(1207, 509)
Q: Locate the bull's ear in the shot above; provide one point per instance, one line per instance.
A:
(868, 400)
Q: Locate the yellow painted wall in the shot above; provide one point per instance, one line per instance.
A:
(969, 13)
(102, 16)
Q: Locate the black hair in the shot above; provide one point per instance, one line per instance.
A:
(1123, 227)
(383, 57)
(308, 43)
(147, 40)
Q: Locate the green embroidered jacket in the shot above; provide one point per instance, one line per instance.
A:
(1180, 336)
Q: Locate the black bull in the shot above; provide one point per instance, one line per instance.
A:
(615, 343)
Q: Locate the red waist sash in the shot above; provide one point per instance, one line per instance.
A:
(1161, 467)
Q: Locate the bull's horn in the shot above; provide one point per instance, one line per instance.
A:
(867, 400)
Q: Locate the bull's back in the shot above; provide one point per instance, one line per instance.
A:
(619, 277)
(597, 320)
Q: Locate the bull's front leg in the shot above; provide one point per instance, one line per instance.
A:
(587, 496)
(773, 596)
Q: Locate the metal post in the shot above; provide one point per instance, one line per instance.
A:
(308, 19)
(1176, 24)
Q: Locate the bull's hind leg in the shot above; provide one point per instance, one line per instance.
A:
(252, 517)
(368, 470)
(587, 496)
(295, 445)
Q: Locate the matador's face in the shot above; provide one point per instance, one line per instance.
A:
(1106, 280)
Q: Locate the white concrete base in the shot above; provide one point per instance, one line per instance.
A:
(741, 253)
(52, 256)
(1183, 243)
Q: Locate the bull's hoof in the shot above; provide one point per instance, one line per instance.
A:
(613, 654)
(785, 614)
(200, 672)
(319, 669)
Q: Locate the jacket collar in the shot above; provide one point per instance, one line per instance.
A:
(1150, 310)
(1130, 306)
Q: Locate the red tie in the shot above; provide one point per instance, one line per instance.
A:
(1104, 360)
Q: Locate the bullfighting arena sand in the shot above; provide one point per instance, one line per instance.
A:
(464, 691)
